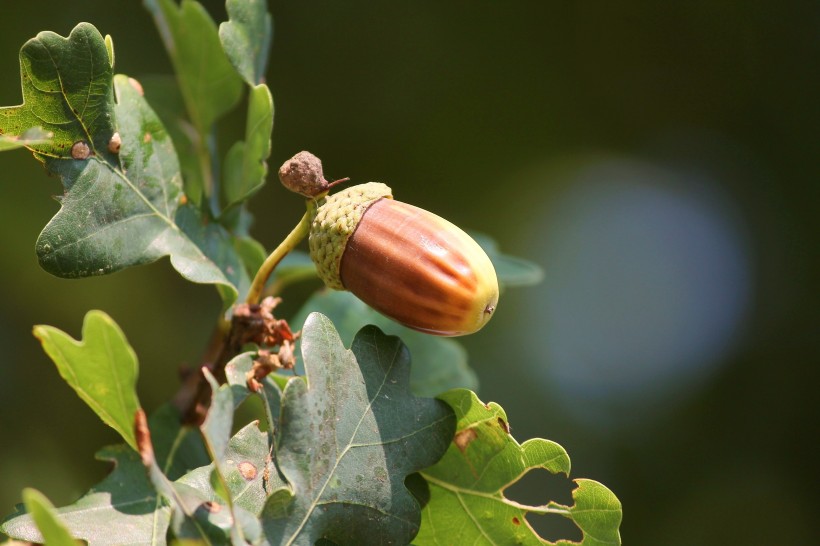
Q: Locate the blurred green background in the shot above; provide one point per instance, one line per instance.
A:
(658, 159)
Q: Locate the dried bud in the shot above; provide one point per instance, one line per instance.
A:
(303, 174)
(409, 264)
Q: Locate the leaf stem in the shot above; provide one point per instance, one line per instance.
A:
(270, 263)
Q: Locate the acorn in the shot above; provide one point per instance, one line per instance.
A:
(407, 263)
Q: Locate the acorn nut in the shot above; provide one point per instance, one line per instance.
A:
(407, 263)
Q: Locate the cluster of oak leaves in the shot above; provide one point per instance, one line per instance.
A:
(353, 446)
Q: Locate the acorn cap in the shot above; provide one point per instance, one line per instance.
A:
(334, 221)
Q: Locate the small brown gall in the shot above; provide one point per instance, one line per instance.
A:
(247, 470)
(80, 150)
(115, 143)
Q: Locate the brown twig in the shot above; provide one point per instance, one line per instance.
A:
(251, 323)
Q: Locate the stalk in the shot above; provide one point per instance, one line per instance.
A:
(298, 233)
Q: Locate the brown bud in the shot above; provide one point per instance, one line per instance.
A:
(303, 174)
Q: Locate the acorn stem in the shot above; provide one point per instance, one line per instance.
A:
(301, 230)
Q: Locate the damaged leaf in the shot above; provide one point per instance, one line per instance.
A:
(349, 435)
(467, 485)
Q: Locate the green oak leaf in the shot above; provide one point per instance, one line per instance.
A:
(178, 448)
(123, 509)
(439, 364)
(66, 91)
(246, 459)
(189, 514)
(29, 137)
(102, 369)
(207, 81)
(467, 485)
(216, 431)
(162, 93)
(349, 435)
(236, 372)
(295, 267)
(511, 271)
(218, 246)
(118, 209)
(251, 252)
(246, 38)
(245, 166)
(48, 522)
(208, 512)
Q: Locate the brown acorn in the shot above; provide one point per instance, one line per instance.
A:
(407, 263)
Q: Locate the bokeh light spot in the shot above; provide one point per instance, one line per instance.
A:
(647, 285)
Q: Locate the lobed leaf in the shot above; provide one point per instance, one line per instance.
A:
(123, 509)
(219, 247)
(118, 209)
(246, 38)
(102, 369)
(467, 485)
(163, 94)
(216, 431)
(207, 81)
(245, 166)
(439, 364)
(48, 522)
(236, 372)
(247, 469)
(349, 435)
(66, 85)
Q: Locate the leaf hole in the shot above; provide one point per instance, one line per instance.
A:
(538, 486)
(554, 527)
(503, 424)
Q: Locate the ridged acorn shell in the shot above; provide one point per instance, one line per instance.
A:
(420, 270)
(407, 263)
